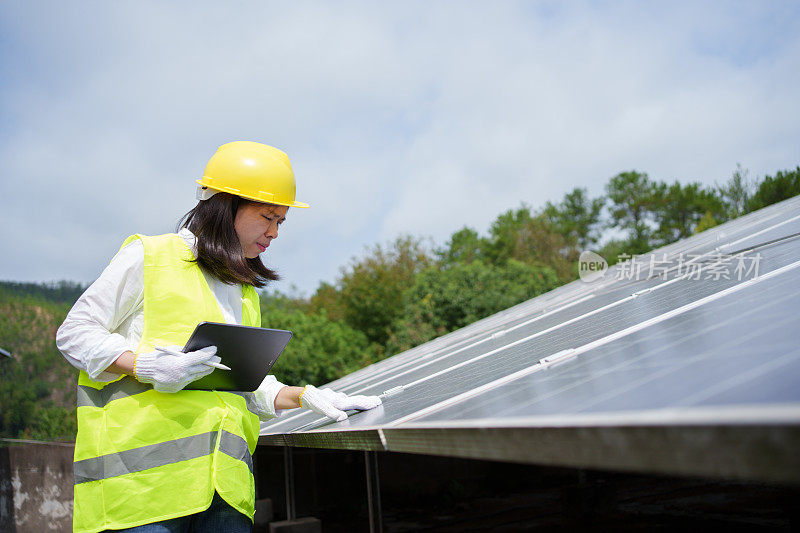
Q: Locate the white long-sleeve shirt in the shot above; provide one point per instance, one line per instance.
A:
(108, 318)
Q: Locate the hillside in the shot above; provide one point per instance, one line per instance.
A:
(37, 386)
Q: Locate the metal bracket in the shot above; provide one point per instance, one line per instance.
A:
(498, 334)
(392, 391)
(558, 356)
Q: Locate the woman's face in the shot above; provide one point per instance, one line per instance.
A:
(256, 225)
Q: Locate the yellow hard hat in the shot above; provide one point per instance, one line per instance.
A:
(251, 170)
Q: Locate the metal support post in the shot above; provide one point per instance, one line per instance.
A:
(255, 474)
(373, 492)
(289, 478)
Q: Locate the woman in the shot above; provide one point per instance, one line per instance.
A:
(149, 455)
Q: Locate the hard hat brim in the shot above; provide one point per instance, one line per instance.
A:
(230, 190)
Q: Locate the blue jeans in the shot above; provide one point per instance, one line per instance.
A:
(218, 518)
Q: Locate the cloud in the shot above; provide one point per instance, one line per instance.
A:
(399, 118)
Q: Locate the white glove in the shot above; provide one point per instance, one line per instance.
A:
(334, 404)
(170, 372)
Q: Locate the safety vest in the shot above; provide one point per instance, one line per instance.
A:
(143, 456)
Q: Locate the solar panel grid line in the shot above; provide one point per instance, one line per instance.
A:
(756, 234)
(772, 242)
(388, 364)
(713, 236)
(765, 245)
(732, 342)
(424, 356)
(737, 225)
(632, 385)
(594, 344)
(724, 414)
(739, 234)
(747, 375)
(288, 422)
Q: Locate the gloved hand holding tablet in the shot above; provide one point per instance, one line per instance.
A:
(248, 351)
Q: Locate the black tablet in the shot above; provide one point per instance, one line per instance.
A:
(249, 352)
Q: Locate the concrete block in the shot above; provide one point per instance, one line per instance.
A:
(298, 525)
(264, 514)
(36, 487)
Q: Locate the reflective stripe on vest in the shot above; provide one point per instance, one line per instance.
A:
(128, 386)
(143, 456)
(153, 455)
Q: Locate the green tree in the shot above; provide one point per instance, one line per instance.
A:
(706, 222)
(614, 248)
(577, 218)
(320, 351)
(57, 291)
(635, 198)
(680, 209)
(772, 190)
(327, 298)
(464, 246)
(445, 299)
(736, 193)
(533, 239)
(372, 287)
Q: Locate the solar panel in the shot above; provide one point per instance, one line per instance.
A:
(705, 337)
(738, 350)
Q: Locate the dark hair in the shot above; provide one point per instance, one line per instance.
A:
(219, 251)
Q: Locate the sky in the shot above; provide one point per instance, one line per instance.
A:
(399, 117)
